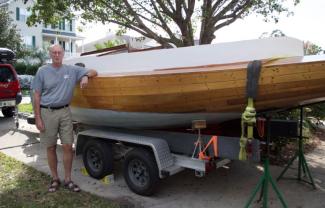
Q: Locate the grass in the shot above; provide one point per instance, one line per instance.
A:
(25, 92)
(23, 186)
(25, 108)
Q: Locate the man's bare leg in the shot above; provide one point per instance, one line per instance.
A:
(53, 161)
(67, 161)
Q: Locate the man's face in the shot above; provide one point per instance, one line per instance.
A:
(56, 54)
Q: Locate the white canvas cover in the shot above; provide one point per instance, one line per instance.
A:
(200, 55)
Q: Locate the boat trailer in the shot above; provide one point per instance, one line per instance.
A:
(153, 155)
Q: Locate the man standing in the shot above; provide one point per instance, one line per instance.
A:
(53, 88)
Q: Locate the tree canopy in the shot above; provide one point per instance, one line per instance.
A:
(312, 49)
(108, 44)
(9, 35)
(169, 22)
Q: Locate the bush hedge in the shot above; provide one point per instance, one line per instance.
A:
(23, 68)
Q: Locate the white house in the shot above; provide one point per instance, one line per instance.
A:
(41, 35)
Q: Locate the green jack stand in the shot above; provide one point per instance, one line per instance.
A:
(302, 163)
(266, 178)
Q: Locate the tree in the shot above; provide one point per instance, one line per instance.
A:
(311, 48)
(169, 22)
(36, 56)
(274, 33)
(9, 35)
(108, 44)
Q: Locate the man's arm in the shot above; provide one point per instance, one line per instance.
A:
(84, 79)
(37, 111)
(91, 73)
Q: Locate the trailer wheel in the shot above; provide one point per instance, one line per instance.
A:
(98, 158)
(8, 111)
(141, 172)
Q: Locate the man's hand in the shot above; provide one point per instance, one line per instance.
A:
(84, 82)
(39, 124)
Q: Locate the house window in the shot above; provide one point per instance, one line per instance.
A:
(17, 13)
(22, 14)
(70, 25)
(63, 24)
(67, 25)
(71, 47)
(34, 41)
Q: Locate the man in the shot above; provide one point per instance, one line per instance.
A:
(53, 88)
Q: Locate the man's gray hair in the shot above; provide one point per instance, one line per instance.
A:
(55, 45)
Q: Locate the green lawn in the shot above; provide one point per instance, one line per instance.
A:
(23, 186)
(25, 108)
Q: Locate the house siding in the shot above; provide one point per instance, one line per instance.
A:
(18, 10)
(41, 35)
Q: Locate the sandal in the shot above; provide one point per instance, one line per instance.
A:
(71, 186)
(54, 185)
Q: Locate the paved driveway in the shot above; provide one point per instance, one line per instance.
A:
(224, 188)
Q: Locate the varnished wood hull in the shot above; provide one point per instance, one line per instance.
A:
(218, 90)
(171, 87)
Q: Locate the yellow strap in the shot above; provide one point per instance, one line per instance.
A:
(247, 119)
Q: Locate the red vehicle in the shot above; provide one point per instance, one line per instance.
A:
(10, 95)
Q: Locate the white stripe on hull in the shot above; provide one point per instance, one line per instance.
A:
(138, 120)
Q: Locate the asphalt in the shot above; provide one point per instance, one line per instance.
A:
(225, 187)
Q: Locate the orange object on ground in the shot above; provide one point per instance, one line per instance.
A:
(214, 142)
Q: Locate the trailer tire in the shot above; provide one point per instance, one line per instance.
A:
(8, 111)
(141, 171)
(97, 156)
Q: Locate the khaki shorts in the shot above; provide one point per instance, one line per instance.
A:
(57, 123)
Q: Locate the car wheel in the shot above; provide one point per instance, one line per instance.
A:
(8, 111)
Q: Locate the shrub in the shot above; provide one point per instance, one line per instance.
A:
(31, 69)
(23, 68)
(20, 67)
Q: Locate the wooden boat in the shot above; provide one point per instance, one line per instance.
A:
(160, 96)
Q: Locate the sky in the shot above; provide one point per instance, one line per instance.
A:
(306, 24)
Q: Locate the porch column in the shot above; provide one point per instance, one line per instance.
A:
(82, 46)
(70, 46)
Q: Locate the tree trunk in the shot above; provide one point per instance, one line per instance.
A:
(207, 38)
(207, 34)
